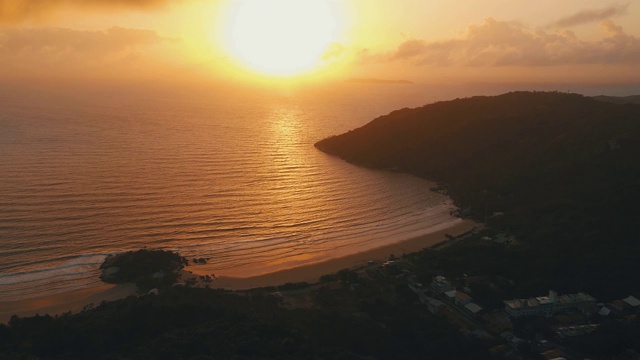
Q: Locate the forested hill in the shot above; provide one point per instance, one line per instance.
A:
(483, 134)
(633, 99)
(564, 168)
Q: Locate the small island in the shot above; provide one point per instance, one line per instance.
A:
(146, 268)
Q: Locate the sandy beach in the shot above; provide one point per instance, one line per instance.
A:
(77, 300)
(73, 301)
(312, 272)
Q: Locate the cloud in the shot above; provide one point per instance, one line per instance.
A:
(113, 40)
(590, 16)
(499, 43)
(333, 51)
(18, 10)
(410, 48)
(67, 51)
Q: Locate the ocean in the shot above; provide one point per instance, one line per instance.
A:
(228, 174)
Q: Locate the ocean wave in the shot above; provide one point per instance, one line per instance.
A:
(76, 265)
(70, 274)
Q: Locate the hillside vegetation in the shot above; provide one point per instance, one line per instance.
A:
(564, 170)
(191, 323)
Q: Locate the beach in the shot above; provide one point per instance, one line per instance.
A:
(75, 301)
(311, 273)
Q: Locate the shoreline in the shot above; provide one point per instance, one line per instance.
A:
(311, 273)
(71, 301)
(76, 301)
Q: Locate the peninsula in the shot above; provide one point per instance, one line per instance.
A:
(557, 171)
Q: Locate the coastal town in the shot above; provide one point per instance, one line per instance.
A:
(551, 326)
(414, 291)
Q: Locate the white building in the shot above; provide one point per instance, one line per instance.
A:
(473, 308)
(632, 301)
(440, 285)
(433, 305)
(548, 305)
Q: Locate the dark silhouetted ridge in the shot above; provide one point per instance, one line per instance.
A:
(633, 99)
(563, 168)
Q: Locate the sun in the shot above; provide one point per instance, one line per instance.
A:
(281, 37)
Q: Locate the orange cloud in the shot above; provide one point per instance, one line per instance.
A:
(46, 51)
(334, 50)
(35, 40)
(592, 15)
(18, 10)
(499, 43)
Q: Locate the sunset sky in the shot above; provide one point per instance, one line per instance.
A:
(586, 41)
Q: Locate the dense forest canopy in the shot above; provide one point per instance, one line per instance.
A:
(562, 168)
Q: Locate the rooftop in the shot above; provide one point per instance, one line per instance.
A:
(632, 300)
(546, 300)
(473, 307)
(462, 296)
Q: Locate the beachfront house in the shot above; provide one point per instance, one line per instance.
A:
(473, 308)
(549, 305)
(462, 299)
(440, 285)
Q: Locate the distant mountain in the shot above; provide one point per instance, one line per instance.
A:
(563, 168)
(633, 99)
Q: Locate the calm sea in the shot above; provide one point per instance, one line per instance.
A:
(225, 174)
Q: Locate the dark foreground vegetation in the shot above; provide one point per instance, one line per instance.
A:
(377, 311)
(560, 173)
(196, 323)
